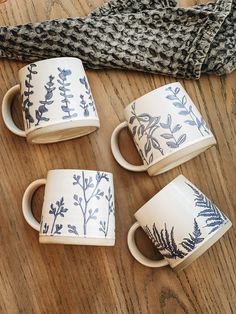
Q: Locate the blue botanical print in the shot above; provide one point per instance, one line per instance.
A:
(45, 228)
(64, 92)
(194, 239)
(27, 103)
(165, 242)
(84, 106)
(72, 229)
(88, 185)
(214, 218)
(173, 141)
(105, 224)
(146, 125)
(46, 102)
(89, 103)
(187, 110)
(57, 210)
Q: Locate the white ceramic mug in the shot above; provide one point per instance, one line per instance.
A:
(181, 222)
(57, 101)
(78, 208)
(167, 130)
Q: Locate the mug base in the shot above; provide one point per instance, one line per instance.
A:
(181, 156)
(76, 240)
(62, 131)
(203, 248)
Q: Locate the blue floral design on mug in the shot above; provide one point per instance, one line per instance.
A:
(90, 189)
(27, 103)
(180, 102)
(214, 218)
(164, 240)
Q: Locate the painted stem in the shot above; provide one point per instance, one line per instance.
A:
(190, 112)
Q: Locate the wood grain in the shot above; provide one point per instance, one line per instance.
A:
(75, 279)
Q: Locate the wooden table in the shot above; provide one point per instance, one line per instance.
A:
(38, 278)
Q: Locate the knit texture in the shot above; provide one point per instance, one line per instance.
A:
(146, 35)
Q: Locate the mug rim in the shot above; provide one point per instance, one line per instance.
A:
(70, 169)
(151, 92)
(47, 60)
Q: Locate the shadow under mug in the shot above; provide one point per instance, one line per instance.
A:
(78, 208)
(166, 128)
(181, 222)
(57, 101)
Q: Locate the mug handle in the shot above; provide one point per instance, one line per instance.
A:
(6, 110)
(137, 254)
(116, 151)
(26, 203)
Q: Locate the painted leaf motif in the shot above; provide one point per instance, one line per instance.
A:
(178, 104)
(190, 122)
(169, 120)
(141, 130)
(153, 121)
(42, 109)
(65, 109)
(214, 216)
(171, 97)
(150, 159)
(134, 129)
(28, 85)
(155, 143)
(27, 93)
(167, 136)
(44, 119)
(37, 114)
(183, 112)
(176, 128)
(147, 147)
(172, 144)
(177, 89)
(184, 100)
(164, 125)
(131, 120)
(181, 139)
(165, 242)
(144, 117)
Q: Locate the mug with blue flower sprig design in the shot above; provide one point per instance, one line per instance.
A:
(57, 101)
(166, 128)
(181, 222)
(78, 207)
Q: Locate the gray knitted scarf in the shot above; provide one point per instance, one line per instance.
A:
(146, 35)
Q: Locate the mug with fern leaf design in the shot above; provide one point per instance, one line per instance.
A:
(167, 130)
(181, 222)
(57, 101)
(78, 207)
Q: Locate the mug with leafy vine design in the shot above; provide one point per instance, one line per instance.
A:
(181, 222)
(166, 128)
(57, 101)
(78, 207)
